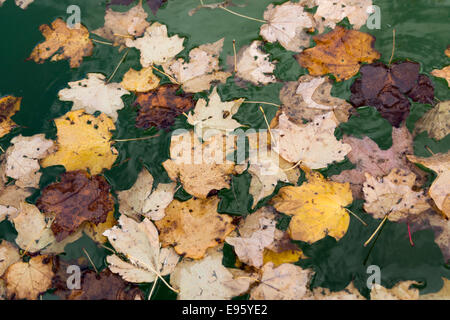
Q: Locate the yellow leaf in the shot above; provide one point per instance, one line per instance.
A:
(9, 105)
(95, 231)
(317, 207)
(84, 143)
(140, 81)
(278, 258)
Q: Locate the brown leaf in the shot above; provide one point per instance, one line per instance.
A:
(161, 106)
(9, 105)
(63, 42)
(77, 198)
(339, 52)
(194, 226)
(388, 88)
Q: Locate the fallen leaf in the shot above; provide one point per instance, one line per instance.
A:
(393, 195)
(93, 94)
(443, 294)
(285, 282)
(388, 88)
(9, 105)
(332, 12)
(140, 81)
(8, 255)
(23, 4)
(77, 198)
(155, 5)
(139, 243)
(443, 73)
(156, 46)
(10, 199)
(314, 143)
(120, 26)
(200, 167)
(439, 163)
(62, 42)
(278, 258)
(26, 280)
(339, 52)
(310, 97)
(201, 70)
(254, 65)
(193, 226)
(317, 207)
(287, 24)
(84, 142)
(401, 291)
(207, 279)
(435, 121)
(349, 293)
(22, 159)
(161, 106)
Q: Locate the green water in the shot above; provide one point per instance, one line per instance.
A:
(421, 28)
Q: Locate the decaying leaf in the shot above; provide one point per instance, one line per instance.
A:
(201, 70)
(23, 4)
(207, 279)
(254, 65)
(393, 195)
(26, 280)
(310, 97)
(285, 282)
(140, 81)
(155, 5)
(120, 26)
(249, 247)
(439, 191)
(62, 42)
(10, 199)
(76, 199)
(436, 121)
(339, 52)
(314, 143)
(369, 158)
(84, 142)
(200, 167)
(401, 291)
(388, 88)
(161, 106)
(194, 226)
(9, 105)
(141, 200)
(139, 243)
(94, 94)
(317, 207)
(287, 24)
(22, 159)
(332, 12)
(349, 293)
(8, 255)
(156, 46)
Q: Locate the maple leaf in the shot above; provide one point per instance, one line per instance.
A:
(76, 199)
(94, 94)
(201, 70)
(161, 106)
(439, 163)
(388, 89)
(139, 243)
(257, 232)
(254, 65)
(339, 52)
(393, 195)
(287, 24)
(120, 26)
(310, 97)
(207, 279)
(140, 81)
(62, 42)
(156, 46)
(9, 105)
(200, 175)
(23, 4)
(331, 12)
(22, 159)
(314, 143)
(285, 282)
(214, 114)
(194, 226)
(435, 121)
(8, 256)
(83, 140)
(26, 280)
